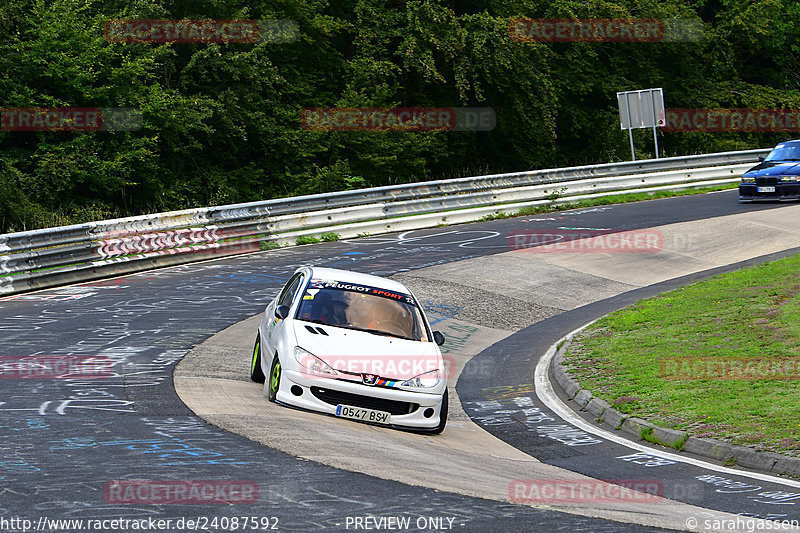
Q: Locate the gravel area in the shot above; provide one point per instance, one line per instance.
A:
(453, 300)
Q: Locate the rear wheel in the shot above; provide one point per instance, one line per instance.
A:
(256, 374)
(442, 415)
(274, 379)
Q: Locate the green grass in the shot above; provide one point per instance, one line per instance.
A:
(268, 245)
(738, 316)
(606, 200)
(325, 237)
(307, 239)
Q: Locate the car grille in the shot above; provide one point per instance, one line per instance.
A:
(766, 181)
(366, 402)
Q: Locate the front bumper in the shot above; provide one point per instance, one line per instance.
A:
(322, 395)
(782, 191)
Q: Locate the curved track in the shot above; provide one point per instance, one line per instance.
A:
(65, 440)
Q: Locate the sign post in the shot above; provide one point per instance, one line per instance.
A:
(641, 109)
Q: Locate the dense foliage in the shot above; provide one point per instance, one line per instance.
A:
(222, 121)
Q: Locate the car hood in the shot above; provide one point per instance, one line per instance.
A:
(362, 352)
(786, 168)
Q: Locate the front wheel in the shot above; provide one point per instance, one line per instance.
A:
(274, 379)
(256, 374)
(442, 415)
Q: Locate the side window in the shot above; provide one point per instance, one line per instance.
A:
(290, 290)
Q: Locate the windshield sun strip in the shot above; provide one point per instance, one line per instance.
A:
(362, 289)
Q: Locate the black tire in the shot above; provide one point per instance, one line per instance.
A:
(256, 374)
(442, 415)
(274, 379)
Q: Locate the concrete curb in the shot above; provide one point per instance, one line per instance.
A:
(605, 415)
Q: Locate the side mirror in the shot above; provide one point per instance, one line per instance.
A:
(760, 158)
(438, 337)
(281, 311)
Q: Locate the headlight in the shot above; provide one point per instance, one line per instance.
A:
(426, 380)
(788, 178)
(748, 180)
(311, 362)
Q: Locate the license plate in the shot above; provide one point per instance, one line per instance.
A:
(766, 189)
(357, 413)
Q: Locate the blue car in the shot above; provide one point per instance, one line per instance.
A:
(776, 177)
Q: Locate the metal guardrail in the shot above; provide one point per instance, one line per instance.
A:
(54, 256)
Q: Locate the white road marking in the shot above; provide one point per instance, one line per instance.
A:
(545, 392)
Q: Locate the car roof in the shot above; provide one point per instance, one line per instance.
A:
(348, 276)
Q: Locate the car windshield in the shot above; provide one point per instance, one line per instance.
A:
(789, 151)
(364, 308)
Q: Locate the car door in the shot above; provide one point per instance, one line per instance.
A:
(275, 331)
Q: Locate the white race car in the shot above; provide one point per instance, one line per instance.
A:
(354, 346)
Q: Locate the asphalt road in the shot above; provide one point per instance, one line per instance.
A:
(69, 444)
(509, 409)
